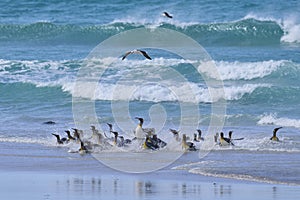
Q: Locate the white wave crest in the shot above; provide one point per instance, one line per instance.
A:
(151, 22)
(157, 92)
(28, 140)
(234, 176)
(242, 70)
(237, 92)
(272, 119)
(39, 73)
(130, 79)
(290, 26)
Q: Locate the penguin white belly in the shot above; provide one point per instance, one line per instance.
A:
(139, 133)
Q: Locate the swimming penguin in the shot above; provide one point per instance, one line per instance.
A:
(149, 144)
(175, 134)
(110, 130)
(116, 134)
(195, 138)
(110, 127)
(230, 135)
(216, 137)
(187, 145)
(76, 134)
(60, 141)
(200, 138)
(123, 142)
(96, 135)
(274, 137)
(49, 122)
(225, 141)
(156, 141)
(127, 141)
(83, 149)
(70, 137)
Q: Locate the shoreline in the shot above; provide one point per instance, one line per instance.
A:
(48, 185)
(44, 159)
(47, 172)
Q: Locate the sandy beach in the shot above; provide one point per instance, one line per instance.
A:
(52, 185)
(72, 176)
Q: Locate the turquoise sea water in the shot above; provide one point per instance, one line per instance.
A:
(255, 47)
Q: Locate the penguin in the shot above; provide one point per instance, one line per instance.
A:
(274, 137)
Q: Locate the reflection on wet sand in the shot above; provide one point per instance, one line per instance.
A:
(117, 187)
(222, 190)
(137, 188)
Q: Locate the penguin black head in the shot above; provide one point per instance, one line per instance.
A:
(230, 134)
(221, 134)
(140, 119)
(109, 125)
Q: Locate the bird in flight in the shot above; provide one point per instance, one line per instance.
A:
(167, 15)
(137, 51)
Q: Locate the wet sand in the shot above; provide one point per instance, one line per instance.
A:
(41, 185)
(41, 172)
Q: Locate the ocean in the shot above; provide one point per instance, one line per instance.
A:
(255, 50)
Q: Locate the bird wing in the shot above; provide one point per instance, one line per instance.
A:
(168, 15)
(238, 138)
(144, 53)
(126, 54)
(227, 140)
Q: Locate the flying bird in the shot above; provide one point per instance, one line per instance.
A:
(167, 15)
(137, 51)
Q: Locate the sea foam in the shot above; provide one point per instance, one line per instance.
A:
(273, 119)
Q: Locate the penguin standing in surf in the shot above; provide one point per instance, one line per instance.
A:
(140, 132)
(274, 137)
(188, 146)
(225, 141)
